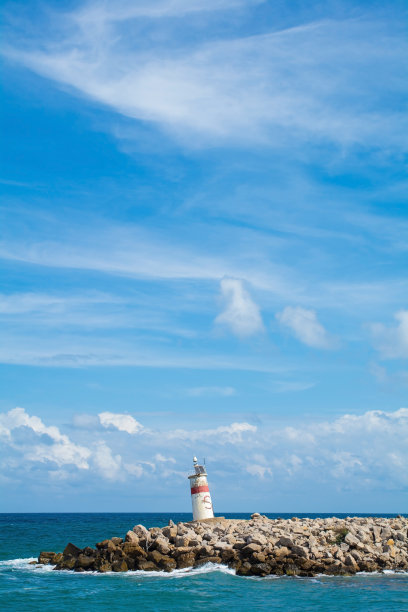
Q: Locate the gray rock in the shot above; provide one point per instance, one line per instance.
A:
(251, 548)
(300, 551)
(141, 531)
(182, 541)
(285, 541)
(131, 537)
(351, 539)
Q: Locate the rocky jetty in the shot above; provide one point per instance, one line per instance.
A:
(255, 547)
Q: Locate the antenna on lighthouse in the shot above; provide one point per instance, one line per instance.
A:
(200, 493)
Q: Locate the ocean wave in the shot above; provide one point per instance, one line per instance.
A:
(27, 565)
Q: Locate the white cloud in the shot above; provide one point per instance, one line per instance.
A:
(162, 459)
(109, 465)
(392, 342)
(134, 470)
(352, 451)
(62, 451)
(123, 422)
(21, 303)
(211, 391)
(241, 314)
(232, 434)
(305, 326)
(259, 470)
(17, 417)
(246, 89)
(99, 12)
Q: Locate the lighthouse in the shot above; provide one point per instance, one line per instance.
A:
(200, 493)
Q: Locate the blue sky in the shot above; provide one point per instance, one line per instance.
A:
(203, 250)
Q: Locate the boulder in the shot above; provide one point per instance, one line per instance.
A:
(259, 557)
(155, 556)
(351, 540)
(147, 566)
(167, 563)
(106, 545)
(119, 566)
(260, 569)
(133, 550)
(204, 560)
(170, 532)
(47, 558)
(162, 545)
(182, 540)
(186, 560)
(282, 552)
(141, 532)
(84, 562)
(350, 562)
(67, 563)
(251, 548)
(71, 550)
(131, 537)
(300, 551)
(227, 555)
(103, 566)
(257, 538)
(285, 541)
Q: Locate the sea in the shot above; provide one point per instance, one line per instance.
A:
(28, 588)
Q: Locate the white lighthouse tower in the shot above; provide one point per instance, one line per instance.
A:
(200, 493)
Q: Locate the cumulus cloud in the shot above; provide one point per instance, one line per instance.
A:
(106, 463)
(123, 422)
(240, 314)
(392, 342)
(18, 417)
(352, 452)
(60, 449)
(306, 327)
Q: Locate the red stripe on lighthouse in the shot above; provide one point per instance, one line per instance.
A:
(203, 489)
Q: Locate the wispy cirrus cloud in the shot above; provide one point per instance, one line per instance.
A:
(211, 391)
(301, 82)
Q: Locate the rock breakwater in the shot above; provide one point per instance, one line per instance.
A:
(255, 547)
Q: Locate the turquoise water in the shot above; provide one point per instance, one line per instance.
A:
(25, 587)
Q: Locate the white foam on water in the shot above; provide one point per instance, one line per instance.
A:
(208, 568)
(27, 565)
(24, 564)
